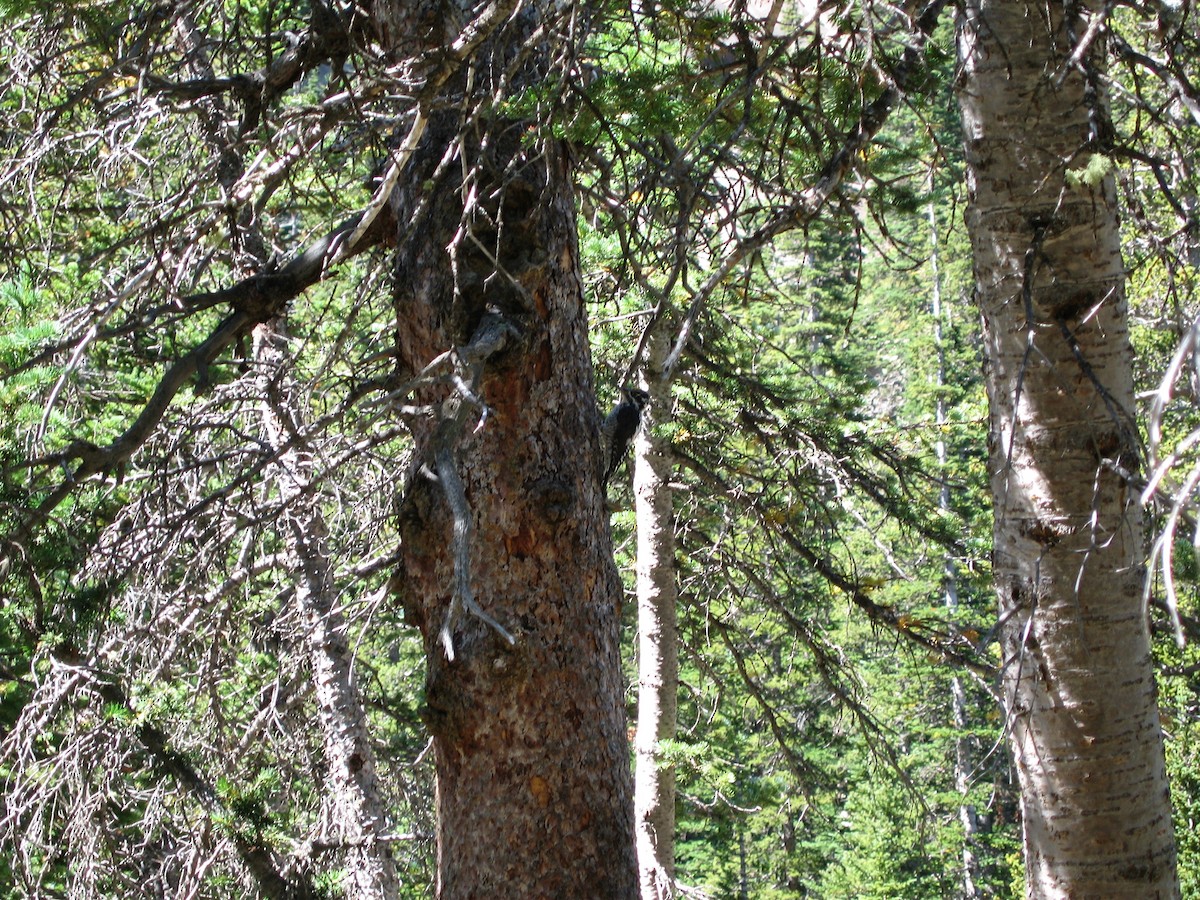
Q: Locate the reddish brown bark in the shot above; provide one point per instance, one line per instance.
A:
(533, 781)
(533, 773)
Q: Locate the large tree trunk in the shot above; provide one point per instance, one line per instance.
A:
(506, 557)
(1069, 555)
(658, 641)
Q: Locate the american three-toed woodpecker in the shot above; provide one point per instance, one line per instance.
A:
(621, 425)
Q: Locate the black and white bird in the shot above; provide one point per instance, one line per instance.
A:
(620, 426)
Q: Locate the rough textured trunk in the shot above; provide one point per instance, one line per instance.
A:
(1069, 556)
(658, 658)
(354, 818)
(510, 538)
(534, 793)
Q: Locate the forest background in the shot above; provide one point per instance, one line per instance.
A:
(230, 475)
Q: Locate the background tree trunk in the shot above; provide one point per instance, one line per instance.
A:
(963, 762)
(355, 817)
(658, 640)
(1069, 555)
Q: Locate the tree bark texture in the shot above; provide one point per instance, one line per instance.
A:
(355, 817)
(505, 534)
(1069, 557)
(658, 641)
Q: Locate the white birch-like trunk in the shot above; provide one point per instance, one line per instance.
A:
(658, 639)
(1069, 557)
(355, 818)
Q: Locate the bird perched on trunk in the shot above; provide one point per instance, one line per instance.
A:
(620, 426)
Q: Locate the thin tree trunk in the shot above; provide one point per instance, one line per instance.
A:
(958, 696)
(1069, 559)
(506, 561)
(355, 817)
(658, 641)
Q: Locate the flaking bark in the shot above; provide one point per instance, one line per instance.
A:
(534, 794)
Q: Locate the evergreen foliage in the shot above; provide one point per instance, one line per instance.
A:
(156, 708)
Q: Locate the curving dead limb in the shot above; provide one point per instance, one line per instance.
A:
(251, 301)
